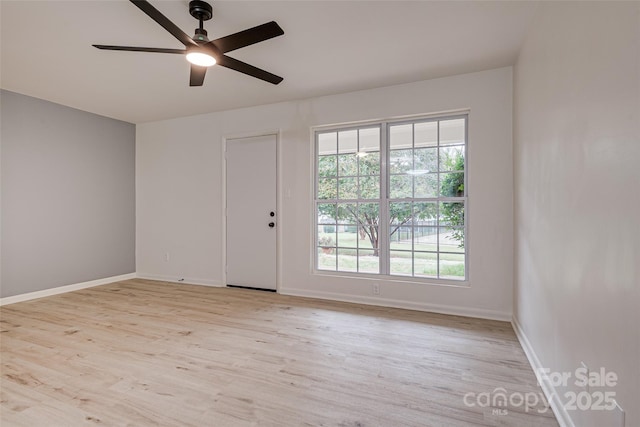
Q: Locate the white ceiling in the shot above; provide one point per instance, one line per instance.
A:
(328, 47)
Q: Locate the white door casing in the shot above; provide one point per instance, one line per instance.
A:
(251, 197)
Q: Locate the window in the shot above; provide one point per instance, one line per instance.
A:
(390, 198)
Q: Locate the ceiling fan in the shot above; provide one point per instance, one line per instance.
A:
(202, 52)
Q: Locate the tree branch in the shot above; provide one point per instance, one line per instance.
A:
(364, 226)
(399, 225)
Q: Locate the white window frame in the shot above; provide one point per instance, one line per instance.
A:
(385, 200)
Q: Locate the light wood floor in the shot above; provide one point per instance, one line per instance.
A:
(145, 353)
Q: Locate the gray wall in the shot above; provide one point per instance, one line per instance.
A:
(68, 195)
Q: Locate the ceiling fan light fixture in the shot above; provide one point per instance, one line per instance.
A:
(200, 58)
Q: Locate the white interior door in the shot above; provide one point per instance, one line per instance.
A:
(251, 212)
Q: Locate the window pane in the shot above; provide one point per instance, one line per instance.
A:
(401, 219)
(347, 236)
(370, 187)
(369, 163)
(400, 263)
(400, 213)
(365, 234)
(426, 134)
(347, 260)
(452, 184)
(452, 214)
(347, 220)
(401, 186)
(368, 220)
(327, 166)
(347, 213)
(348, 141)
(426, 185)
(327, 188)
(348, 188)
(425, 212)
(452, 266)
(326, 213)
(451, 239)
(327, 143)
(326, 241)
(369, 139)
(327, 230)
(452, 131)
(327, 235)
(401, 136)
(347, 164)
(425, 160)
(371, 238)
(425, 264)
(368, 214)
(425, 238)
(326, 259)
(452, 158)
(367, 262)
(401, 237)
(400, 161)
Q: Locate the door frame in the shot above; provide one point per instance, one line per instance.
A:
(225, 141)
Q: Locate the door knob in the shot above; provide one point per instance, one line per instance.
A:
(272, 214)
(272, 224)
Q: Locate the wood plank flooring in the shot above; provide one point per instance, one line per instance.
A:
(146, 353)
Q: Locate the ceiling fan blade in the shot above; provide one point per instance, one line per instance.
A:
(155, 14)
(248, 37)
(140, 49)
(247, 69)
(196, 77)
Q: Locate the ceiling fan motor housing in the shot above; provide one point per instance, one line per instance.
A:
(201, 36)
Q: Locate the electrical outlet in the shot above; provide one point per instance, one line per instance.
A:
(166, 256)
(376, 288)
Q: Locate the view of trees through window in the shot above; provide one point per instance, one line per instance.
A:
(390, 199)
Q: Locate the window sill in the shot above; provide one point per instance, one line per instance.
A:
(394, 279)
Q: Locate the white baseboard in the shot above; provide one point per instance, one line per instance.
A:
(385, 302)
(62, 289)
(185, 280)
(562, 415)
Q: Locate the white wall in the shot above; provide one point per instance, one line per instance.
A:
(577, 201)
(179, 171)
